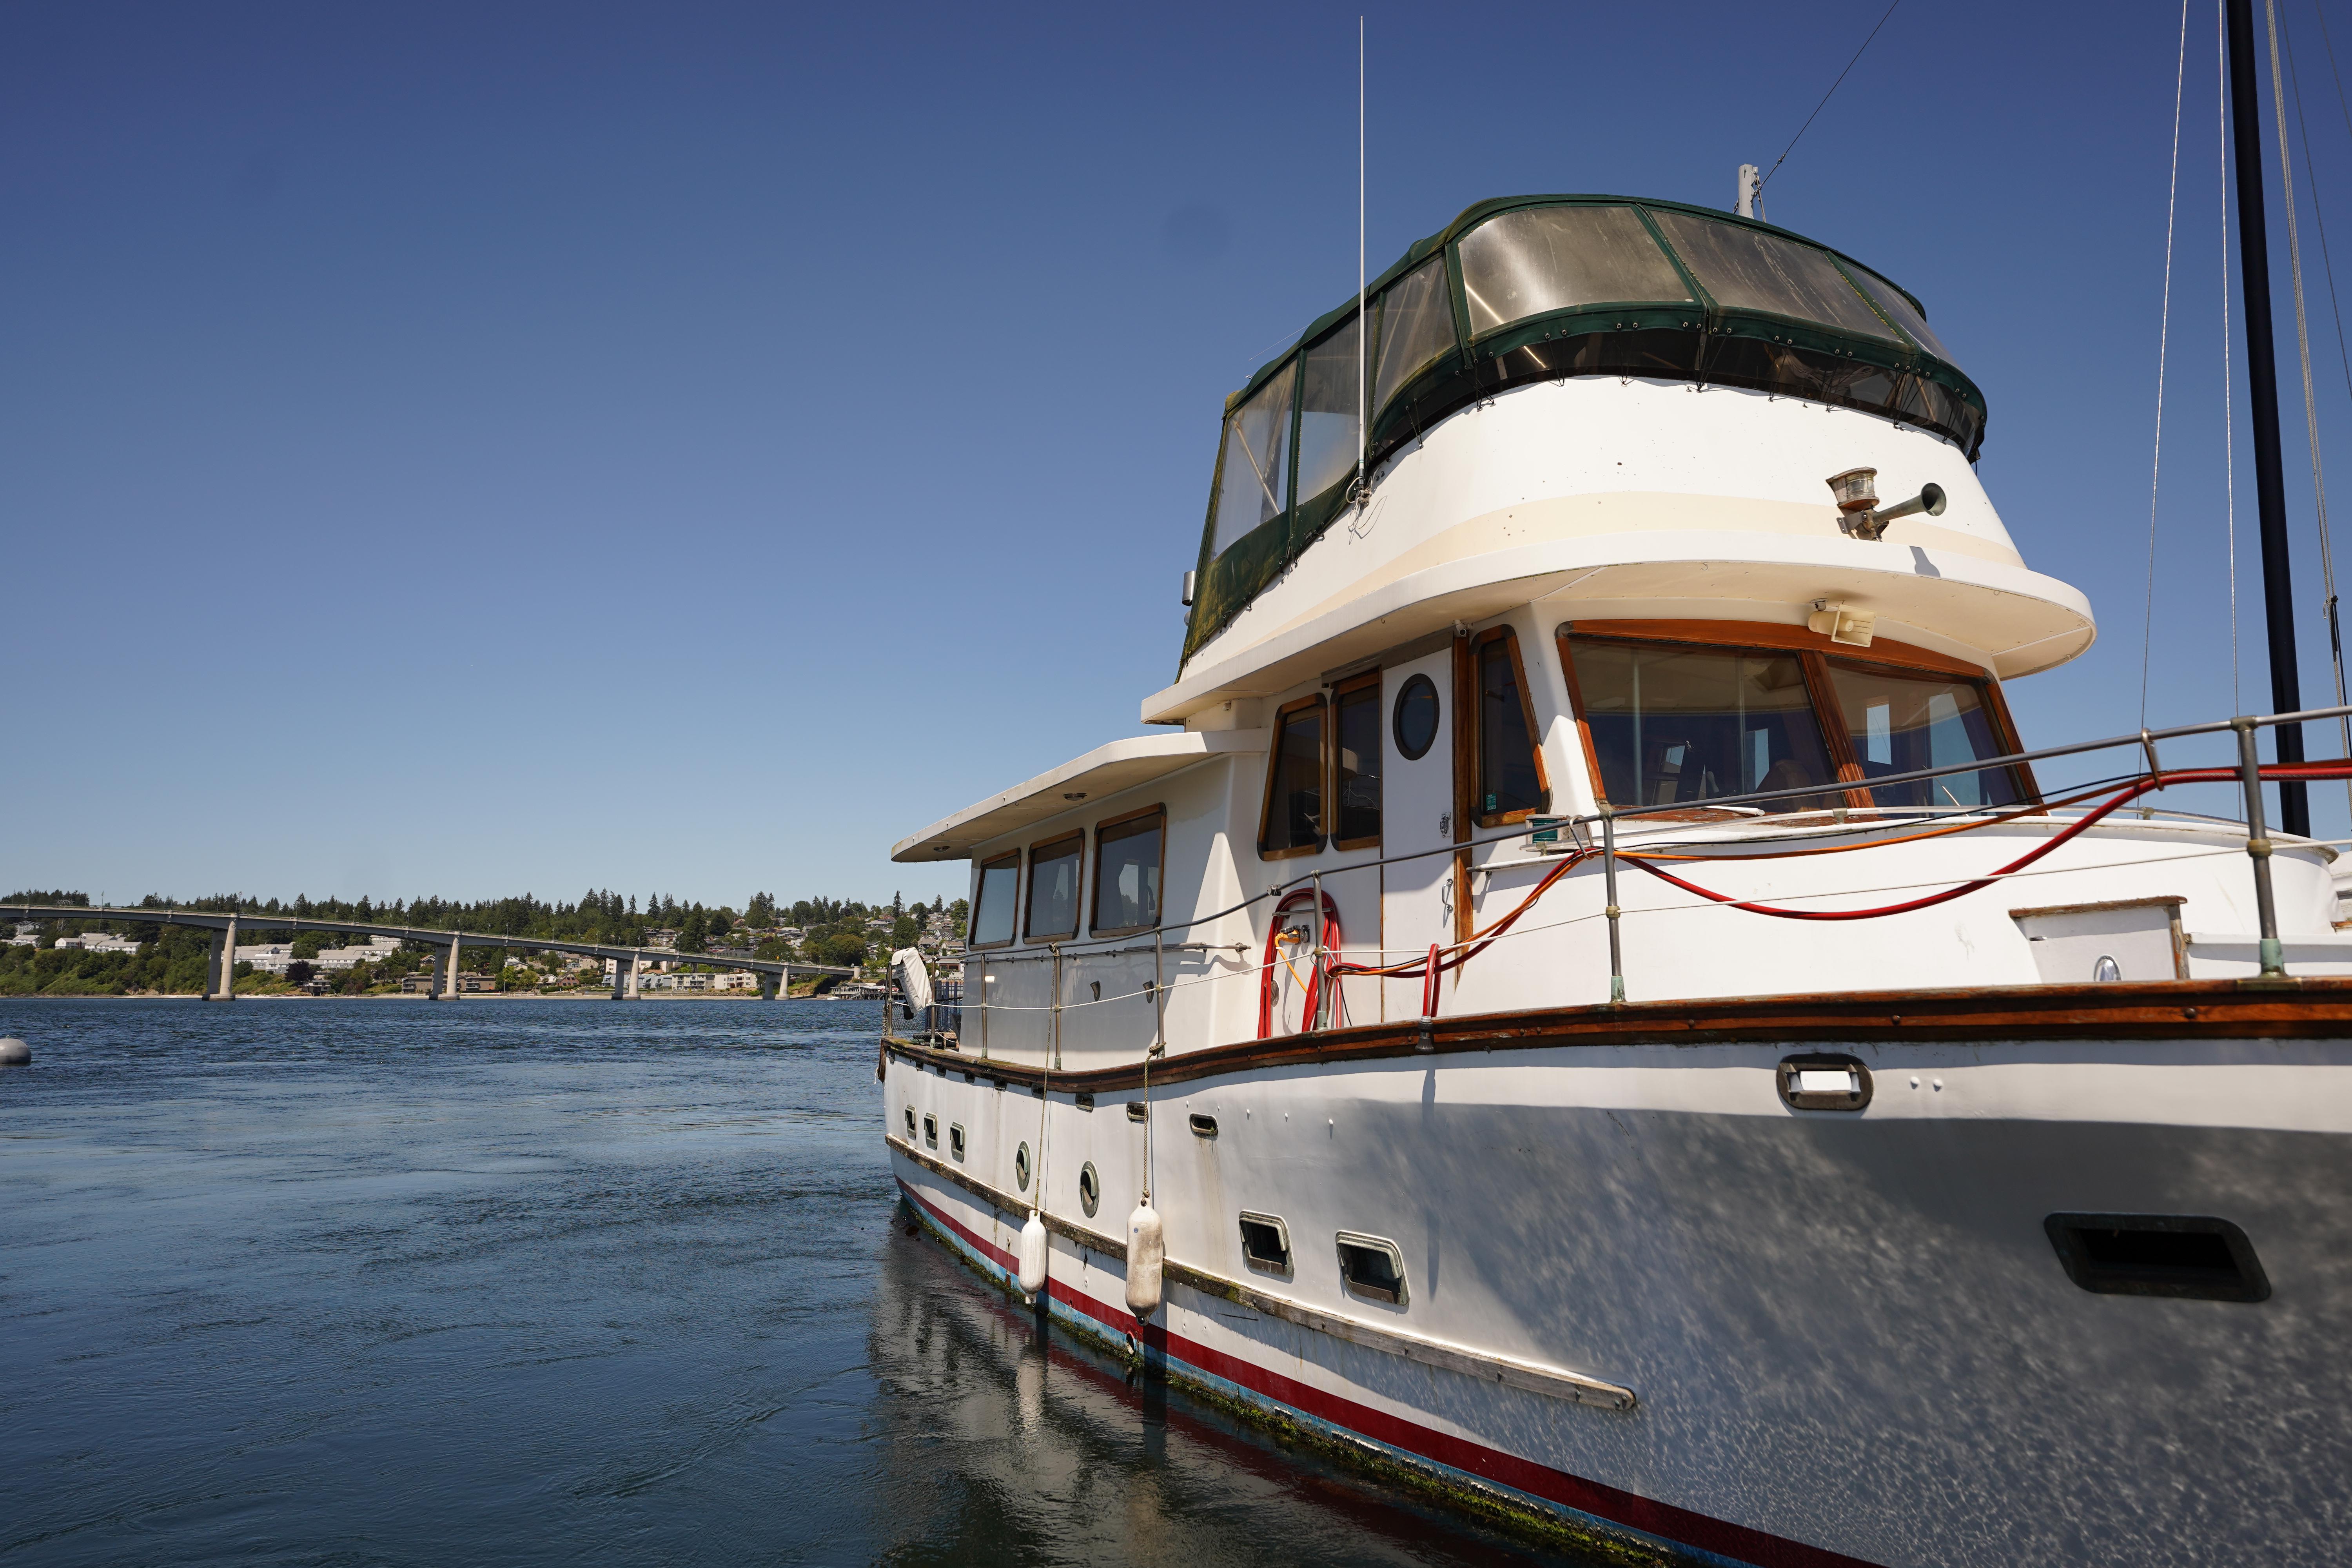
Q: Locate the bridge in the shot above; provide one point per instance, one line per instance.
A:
(628, 962)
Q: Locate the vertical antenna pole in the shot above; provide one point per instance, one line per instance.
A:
(1362, 368)
(2261, 384)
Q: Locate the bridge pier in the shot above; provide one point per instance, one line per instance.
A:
(220, 968)
(620, 977)
(445, 972)
(768, 988)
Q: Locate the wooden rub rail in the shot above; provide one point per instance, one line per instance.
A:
(1528, 1376)
(2110, 1010)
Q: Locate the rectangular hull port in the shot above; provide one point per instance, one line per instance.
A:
(2187, 1257)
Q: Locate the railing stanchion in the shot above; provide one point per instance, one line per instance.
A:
(2258, 847)
(1608, 881)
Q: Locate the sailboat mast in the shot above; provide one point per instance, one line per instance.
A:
(2261, 384)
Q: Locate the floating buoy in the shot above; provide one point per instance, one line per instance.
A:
(14, 1052)
(1147, 1248)
(1033, 1256)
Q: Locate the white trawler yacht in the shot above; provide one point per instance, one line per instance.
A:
(1725, 1099)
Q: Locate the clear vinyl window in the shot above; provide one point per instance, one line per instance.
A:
(1053, 889)
(1524, 263)
(1327, 413)
(1748, 269)
(1253, 482)
(1416, 327)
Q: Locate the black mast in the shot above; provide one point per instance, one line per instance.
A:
(2262, 385)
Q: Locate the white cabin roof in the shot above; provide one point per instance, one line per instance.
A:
(1104, 771)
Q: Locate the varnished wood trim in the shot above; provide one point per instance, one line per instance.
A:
(1763, 633)
(2113, 1010)
(1487, 1367)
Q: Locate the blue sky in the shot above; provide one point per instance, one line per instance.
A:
(482, 448)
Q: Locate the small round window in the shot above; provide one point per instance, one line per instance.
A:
(1416, 722)
(1021, 1167)
(1089, 1190)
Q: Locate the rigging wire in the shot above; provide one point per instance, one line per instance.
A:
(2335, 311)
(2163, 342)
(1363, 396)
(1824, 103)
(2229, 408)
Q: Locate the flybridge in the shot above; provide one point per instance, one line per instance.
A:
(1529, 288)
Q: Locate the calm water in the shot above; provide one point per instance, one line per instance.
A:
(407, 1282)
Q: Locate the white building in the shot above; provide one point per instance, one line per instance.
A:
(96, 942)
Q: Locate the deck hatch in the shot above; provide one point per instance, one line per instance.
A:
(2186, 1257)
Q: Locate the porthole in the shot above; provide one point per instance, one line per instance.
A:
(1372, 1265)
(1136, 1112)
(1089, 1189)
(1414, 720)
(930, 1132)
(1203, 1126)
(1020, 1166)
(910, 1124)
(1266, 1242)
(955, 1139)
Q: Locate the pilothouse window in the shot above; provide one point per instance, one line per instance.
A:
(1327, 413)
(1899, 721)
(1670, 724)
(1416, 327)
(1356, 762)
(1748, 269)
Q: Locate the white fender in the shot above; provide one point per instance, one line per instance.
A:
(1033, 1255)
(1147, 1248)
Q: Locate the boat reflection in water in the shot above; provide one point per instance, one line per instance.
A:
(1005, 1441)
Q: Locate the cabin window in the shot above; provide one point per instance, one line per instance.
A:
(955, 1139)
(1089, 1189)
(1670, 724)
(1416, 327)
(1415, 721)
(1372, 1265)
(1053, 888)
(1254, 473)
(1128, 854)
(1510, 781)
(930, 1132)
(1266, 1242)
(1748, 269)
(1356, 753)
(910, 1124)
(1327, 405)
(1899, 720)
(1293, 822)
(991, 911)
(1536, 260)
(1020, 1166)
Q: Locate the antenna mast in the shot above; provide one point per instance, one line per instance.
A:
(1362, 397)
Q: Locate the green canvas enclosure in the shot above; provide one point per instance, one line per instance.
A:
(1529, 289)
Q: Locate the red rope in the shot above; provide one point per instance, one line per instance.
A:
(2129, 793)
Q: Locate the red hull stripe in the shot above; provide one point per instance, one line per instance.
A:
(1629, 1508)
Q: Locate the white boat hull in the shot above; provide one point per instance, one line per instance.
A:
(1848, 1336)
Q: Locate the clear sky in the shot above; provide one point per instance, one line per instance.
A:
(495, 447)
